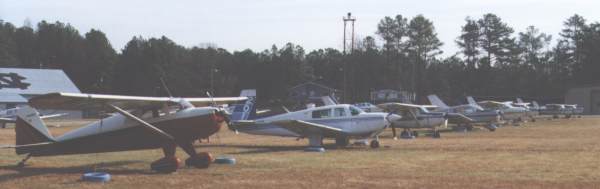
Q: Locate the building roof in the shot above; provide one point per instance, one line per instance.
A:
(21, 81)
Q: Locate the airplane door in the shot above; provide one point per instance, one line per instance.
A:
(595, 102)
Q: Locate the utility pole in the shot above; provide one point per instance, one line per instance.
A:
(346, 20)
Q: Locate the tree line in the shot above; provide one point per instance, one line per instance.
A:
(494, 61)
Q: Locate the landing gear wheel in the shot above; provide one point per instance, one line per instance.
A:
(342, 142)
(415, 134)
(375, 144)
(436, 134)
(166, 165)
(202, 160)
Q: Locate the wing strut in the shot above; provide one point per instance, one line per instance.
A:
(146, 125)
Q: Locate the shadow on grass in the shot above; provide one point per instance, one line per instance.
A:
(256, 149)
(38, 171)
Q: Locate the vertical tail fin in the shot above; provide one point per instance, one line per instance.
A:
(327, 100)
(519, 100)
(30, 129)
(248, 109)
(471, 100)
(435, 100)
(535, 105)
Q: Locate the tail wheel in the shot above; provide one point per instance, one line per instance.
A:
(166, 164)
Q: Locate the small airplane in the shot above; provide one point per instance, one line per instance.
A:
(150, 123)
(507, 110)
(339, 121)
(476, 114)
(10, 116)
(417, 117)
(555, 110)
(532, 109)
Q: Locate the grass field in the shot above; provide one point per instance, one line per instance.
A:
(544, 154)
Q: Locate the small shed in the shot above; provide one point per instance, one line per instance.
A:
(310, 92)
(390, 95)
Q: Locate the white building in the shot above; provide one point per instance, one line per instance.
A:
(17, 85)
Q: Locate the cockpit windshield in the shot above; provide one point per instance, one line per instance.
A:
(355, 111)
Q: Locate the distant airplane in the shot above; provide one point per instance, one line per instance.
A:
(417, 117)
(489, 118)
(10, 116)
(532, 110)
(556, 110)
(341, 122)
(151, 122)
(508, 111)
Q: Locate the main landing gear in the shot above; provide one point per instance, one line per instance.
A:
(170, 163)
(407, 134)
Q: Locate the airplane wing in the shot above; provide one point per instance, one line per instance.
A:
(394, 107)
(79, 101)
(491, 104)
(456, 118)
(305, 128)
(53, 115)
(7, 120)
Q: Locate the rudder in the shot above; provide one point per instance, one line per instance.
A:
(248, 109)
(30, 129)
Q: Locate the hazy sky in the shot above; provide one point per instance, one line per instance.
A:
(257, 24)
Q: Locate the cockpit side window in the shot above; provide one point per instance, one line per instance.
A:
(354, 111)
(317, 114)
(339, 112)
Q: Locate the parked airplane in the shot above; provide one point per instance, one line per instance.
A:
(339, 121)
(152, 122)
(10, 116)
(509, 112)
(555, 110)
(417, 117)
(532, 111)
(489, 118)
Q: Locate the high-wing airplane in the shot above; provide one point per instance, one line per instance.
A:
(555, 110)
(476, 114)
(339, 121)
(509, 112)
(532, 111)
(417, 117)
(10, 116)
(140, 123)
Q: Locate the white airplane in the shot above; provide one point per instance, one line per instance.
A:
(417, 117)
(532, 110)
(568, 110)
(10, 116)
(509, 112)
(151, 122)
(489, 118)
(339, 121)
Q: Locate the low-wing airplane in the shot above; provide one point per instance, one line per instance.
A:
(476, 114)
(140, 123)
(10, 116)
(339, 121)
(417, 117)
(508, 112)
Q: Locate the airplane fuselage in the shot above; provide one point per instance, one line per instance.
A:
(117, 133)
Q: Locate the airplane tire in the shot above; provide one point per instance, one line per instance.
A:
(404, 134)
(375, 144)
(96, 177)
(202, 160)
(166, 165)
